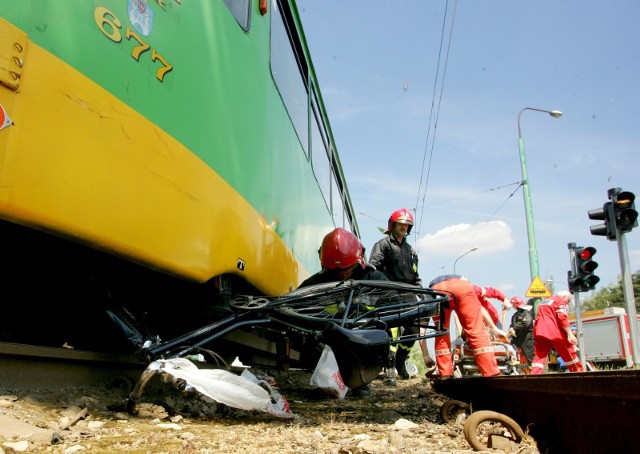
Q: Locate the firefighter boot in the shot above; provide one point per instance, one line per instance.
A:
(401, 358)
(390, 372)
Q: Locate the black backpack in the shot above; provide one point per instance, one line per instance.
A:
(522, 321)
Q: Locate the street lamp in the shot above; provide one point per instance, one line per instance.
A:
(526, 192)
(456, 261)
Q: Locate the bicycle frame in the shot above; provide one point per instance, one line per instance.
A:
(420, 310)
(352, 317)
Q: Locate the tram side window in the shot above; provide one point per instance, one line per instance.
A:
(241, 10)
(319, 157)
(323, 169)
(337, 204)
(288, 76)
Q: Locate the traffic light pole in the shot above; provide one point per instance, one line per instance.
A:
(629, 298)
(576, 300)
(620, 217)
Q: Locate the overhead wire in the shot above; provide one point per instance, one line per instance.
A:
(434, 114)
(433, 117)
(489, 219)
(519, 183)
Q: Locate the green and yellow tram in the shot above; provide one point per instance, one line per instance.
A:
(157, 155)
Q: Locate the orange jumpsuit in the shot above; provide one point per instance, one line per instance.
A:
(549, 332)
(463, 300)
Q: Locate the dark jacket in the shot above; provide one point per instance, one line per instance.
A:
(399, 261)
(359, 274)
(522, 323)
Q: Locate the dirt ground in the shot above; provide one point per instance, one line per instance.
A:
(401, 419)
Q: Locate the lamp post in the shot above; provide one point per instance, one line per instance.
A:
(456, 261)
(526, 192)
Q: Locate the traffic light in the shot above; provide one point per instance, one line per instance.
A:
(619, 215)
(624, 210)
(608, 228)
(583, 279)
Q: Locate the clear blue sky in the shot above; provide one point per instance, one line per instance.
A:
(389, 70)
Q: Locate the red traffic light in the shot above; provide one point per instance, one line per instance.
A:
(581, 277)
(586, 253)
(584, 280)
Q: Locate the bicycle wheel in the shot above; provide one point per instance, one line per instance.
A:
(328, 291)
(321, 305)
(360, 304)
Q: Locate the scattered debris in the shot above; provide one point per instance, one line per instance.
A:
(403, 419)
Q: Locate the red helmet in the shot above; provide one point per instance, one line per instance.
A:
(341, 249)
(401, 216)
(516, 301)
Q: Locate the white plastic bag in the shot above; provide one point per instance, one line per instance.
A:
(220, 385)
(244, 392)
(278, 405)
(326, 375)
(411, 368)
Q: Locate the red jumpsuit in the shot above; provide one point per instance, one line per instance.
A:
(549, 332)
(489, 292)
(463, 300)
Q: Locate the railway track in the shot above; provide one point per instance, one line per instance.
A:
(35, 366)
(565, 413)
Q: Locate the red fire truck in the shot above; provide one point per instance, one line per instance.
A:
(605, 337)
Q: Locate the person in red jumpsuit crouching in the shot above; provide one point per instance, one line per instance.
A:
(463, 300)
(489, 292)
(551, 329)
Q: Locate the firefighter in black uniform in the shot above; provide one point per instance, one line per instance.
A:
(398, 260)
(520, 333)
